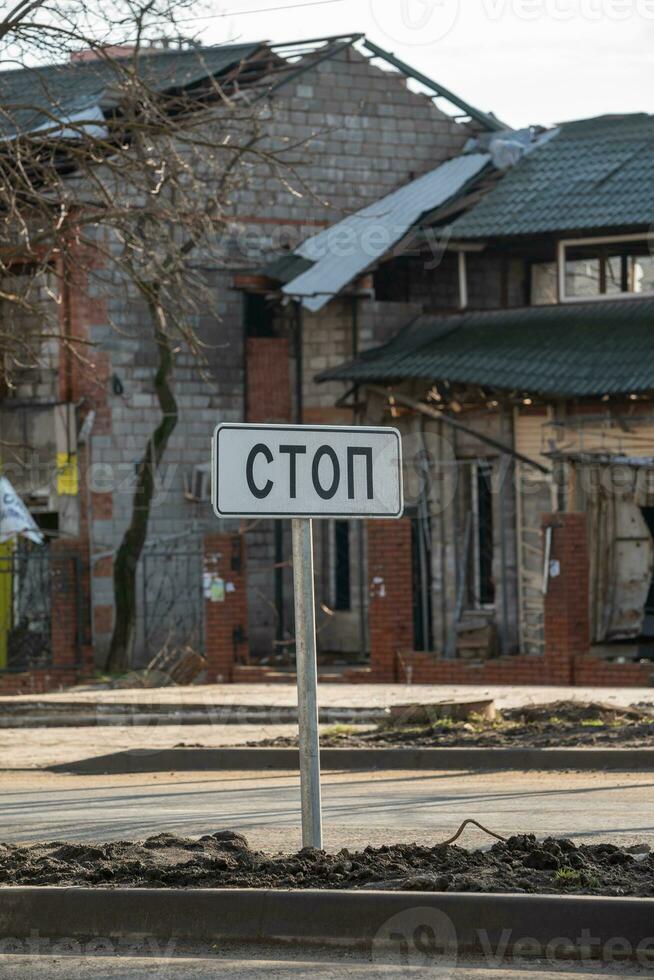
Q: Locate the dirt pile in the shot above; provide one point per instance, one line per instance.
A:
(224, 860)
(558, 724)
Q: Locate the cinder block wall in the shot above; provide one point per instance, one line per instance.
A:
(366, 133)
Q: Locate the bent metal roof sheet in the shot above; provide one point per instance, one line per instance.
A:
(342, 252)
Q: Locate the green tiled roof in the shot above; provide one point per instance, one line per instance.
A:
(576, 349)
(27, 95)
(591, 174)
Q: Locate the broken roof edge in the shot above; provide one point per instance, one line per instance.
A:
(487, 120)
(394, 215)
(338, 42)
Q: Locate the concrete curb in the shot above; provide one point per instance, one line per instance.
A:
(286, 759)
(66, 714)
(548, 925)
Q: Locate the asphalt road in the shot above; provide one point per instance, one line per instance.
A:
(359, 808)
(262, 964)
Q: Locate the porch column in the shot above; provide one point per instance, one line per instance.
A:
(567, 621)
(390, 587)
(225, 605)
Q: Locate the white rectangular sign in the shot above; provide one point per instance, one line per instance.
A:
(306, 471)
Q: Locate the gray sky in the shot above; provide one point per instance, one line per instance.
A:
(529, 61)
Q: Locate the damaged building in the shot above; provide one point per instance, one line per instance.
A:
(367, 124)
(527, 392)
(488, 291)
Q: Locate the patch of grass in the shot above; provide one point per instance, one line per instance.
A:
(339, 730)
(592, 723)
(572, 878)
(482, 723)
(567, 877)
(414, 728)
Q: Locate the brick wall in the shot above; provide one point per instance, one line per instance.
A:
(268, 391)
(390, 606)
(66, 629)
(567, 635)
(421, 668)
(567, 626)
(36, 681)
(225, 620)
(567, 658)
(70, 652)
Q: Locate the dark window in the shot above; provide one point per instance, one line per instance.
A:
(485, 535)
(422, 584)
(392, 281)
(47, 521)
(342, 564)
(648, 623)
(259, 316)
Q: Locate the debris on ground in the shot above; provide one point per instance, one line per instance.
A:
(422, 714)
(172, 666)
(559, 724)
(225, 860)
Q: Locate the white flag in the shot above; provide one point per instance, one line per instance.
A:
(15, 518)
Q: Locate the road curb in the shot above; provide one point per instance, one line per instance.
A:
(436, 759)
(551, 925)
(73, 715)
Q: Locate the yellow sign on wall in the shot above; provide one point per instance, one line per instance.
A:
(67, 475)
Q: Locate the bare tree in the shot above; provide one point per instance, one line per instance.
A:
(136, 183)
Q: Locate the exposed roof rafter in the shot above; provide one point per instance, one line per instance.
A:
(488, 121)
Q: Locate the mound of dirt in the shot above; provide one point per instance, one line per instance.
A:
(224, 860)
(568, 724)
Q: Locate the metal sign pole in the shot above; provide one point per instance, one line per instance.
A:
(307, 681)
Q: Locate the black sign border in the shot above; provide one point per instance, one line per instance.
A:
(281, 427)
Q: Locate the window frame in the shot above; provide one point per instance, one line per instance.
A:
(564, 243)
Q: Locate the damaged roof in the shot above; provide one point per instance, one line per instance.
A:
(30, 97)
(591, 174)
(573, 350)
(343, 251)
(36, 98)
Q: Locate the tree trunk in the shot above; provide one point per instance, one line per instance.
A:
(129, 552)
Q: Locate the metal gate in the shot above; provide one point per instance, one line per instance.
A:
(173, 600)
(29, 574)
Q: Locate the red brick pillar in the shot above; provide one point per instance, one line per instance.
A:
(567, 626)
(66, 586)
(268, 396)
(225, 604)
(390, 608)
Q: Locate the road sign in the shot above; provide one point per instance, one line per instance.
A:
(302, 472)
(322, 471)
